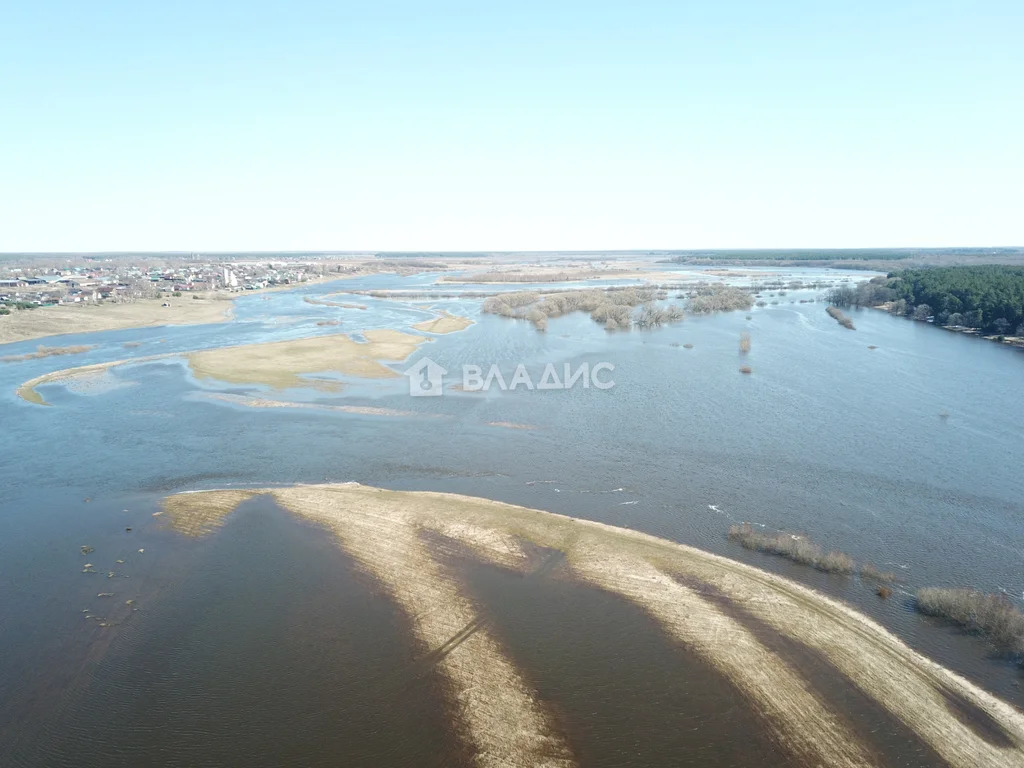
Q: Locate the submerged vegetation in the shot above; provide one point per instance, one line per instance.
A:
(616, 307)
(719, 298)
(799, 549)
(612, 307)
(993, 616)
(43, 351)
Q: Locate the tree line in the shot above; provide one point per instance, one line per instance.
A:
(989, 298)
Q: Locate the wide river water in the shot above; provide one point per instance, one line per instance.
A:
(898, 443)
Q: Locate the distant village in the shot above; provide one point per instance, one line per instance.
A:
(27, 285)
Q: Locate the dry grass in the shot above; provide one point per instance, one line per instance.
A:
(196, 514)
(799, 549)
(43, 351)
(53, 321)
(868, 571)
(284, 364)
(444, 323)
(993, 616)
(836, 314)
(501, 719)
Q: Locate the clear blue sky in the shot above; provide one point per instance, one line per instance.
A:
(519, 125)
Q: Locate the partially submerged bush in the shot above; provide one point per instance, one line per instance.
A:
(744, 343)
(612, 307)
(720, 298)
(836, 314)
(868, 571)
(799, 549)
(883, 592)
(986, 614)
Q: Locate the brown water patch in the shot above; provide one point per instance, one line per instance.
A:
(270, 651)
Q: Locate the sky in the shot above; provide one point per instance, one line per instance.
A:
(491, 125)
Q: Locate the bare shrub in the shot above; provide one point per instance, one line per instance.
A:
(799, 549)
(744, 343)
(835, 562)
(836, 314)
(868, 571)
(687, 346)
(720, 298)
(883, 592)
(986, 614)
(44, 351)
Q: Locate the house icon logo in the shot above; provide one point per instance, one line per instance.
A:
(425, 378)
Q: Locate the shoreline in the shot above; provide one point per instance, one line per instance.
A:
(1017, 342)
(211, 307)
(43, 322)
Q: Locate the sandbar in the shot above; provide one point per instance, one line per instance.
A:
(714, 608)
(445, 323)
(284, 364)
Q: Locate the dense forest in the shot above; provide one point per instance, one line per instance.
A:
(990, 298)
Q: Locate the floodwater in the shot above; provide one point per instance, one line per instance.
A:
(262, 645)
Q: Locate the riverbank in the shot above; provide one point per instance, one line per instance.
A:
(1013, 341)
(27, 324)
(730, 615)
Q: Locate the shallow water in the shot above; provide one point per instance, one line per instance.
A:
(826, 436)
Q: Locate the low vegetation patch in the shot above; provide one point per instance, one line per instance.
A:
(868, 571)
(719, 298)
(836, 314)
(42, 351)
(613, 307)
(799, 549)
(993, 616)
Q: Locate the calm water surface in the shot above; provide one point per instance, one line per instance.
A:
(907, 455)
